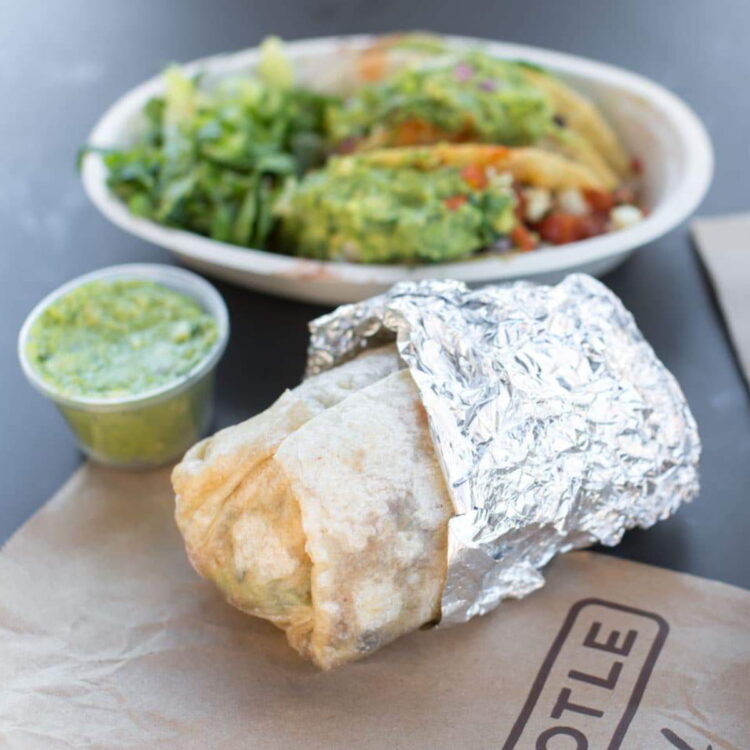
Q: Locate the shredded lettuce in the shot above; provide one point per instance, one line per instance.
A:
(214, 160)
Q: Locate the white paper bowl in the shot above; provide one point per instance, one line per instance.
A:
(146, 429)
(655, 125)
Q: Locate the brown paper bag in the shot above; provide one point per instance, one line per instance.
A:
(108, 639)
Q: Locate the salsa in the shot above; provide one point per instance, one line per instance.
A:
(118, 339)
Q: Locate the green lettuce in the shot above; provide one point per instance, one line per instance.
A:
(214, 160)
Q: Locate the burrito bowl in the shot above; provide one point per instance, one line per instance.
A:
(360, 161)
(127, 354)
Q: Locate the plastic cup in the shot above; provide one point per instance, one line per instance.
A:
(155, 427)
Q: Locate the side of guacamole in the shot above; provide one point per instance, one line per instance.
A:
(354, 212)
(115, 340)
(149, 435)
(469, 97)
(110, 339)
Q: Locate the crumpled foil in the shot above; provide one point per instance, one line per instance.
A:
(555, 424)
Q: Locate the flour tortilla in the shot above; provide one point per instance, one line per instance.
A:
(574, 147)
(584, 118)
(240, 523)
(532, 166)
(375, 513)
(327, 513)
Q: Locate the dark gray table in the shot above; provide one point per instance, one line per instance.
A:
(61, 64)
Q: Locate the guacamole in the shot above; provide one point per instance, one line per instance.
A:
(107, 343)
(147, 435)
(354, 212)
(469, 97)
(115, 339)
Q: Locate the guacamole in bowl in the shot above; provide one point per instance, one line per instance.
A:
(128, 355)
(359, 213)
(119, 338)
(466, 96)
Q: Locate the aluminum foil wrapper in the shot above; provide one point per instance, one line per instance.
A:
(555, 423)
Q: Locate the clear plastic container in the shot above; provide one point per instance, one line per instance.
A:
(155, 427)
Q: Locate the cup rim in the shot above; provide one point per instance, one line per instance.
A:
(184, 281)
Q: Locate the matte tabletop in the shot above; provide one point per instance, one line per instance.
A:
(62, 64)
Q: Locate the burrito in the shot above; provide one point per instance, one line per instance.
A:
(327, 514)
(398, 487)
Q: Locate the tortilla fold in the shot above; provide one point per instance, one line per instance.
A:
(326, 514)
(573, 146)
(583, 117)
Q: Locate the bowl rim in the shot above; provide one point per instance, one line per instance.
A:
(667, 214)
(190, 284)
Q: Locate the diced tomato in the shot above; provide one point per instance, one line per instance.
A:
(592, 225)
(474, 176)
(599, 200)
(417, 132)
(522, 238)
(455, 201)
(560, 228)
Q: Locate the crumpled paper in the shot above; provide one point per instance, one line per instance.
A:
(555, 423)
